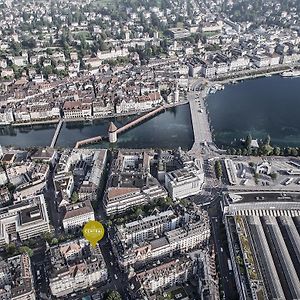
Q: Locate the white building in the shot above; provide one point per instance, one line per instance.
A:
(3, 177)
(72, 110)
(146, 228)
(112, 133)
(164, 275)
(184, 182)
(77, 214)
(24, 220)
(261, 61)
(113, 53)
(120, 199)
(6, 116)
(240, 63)
(180, 234)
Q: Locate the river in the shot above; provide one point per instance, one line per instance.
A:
(169, 130)
(260, 106)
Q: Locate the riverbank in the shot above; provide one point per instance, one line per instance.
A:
(42, 122)
(256, 73)
(169, 130)
(56, 121)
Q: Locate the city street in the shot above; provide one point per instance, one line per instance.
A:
(227, 281)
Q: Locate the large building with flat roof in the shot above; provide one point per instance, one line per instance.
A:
(264, 243)
(24, 220)
(130, 182)
(186, 181)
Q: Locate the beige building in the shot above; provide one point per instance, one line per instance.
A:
(75, 265)
(149, 282)
(178, 233)
(16, 281)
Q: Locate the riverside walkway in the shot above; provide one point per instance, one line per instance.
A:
(56, 133)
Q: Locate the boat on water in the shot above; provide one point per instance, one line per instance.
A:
(291, 74)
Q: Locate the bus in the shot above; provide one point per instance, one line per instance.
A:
(229, 264)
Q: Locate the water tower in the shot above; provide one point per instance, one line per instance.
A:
(112, 133)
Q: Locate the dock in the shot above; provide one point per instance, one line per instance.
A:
(56, 133)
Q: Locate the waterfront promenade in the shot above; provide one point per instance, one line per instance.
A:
(255, 73)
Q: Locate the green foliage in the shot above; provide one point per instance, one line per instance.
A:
(210, 47)
(74, 197)
(218, 169)
(26, 249)
(11, 187)
(273, 175)
(113, 295)
(54, 241)
(161, 204)
(264, 149)
(276, 151)
(10, 249)
(256, 176)
(248, 141)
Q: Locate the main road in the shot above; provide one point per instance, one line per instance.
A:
(201, 128)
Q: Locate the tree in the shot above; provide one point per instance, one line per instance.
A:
(276, 151)
(267, 140)
(294, 152)
(245, 151)
(74, 197)
(218, 169)
(48, 236)
(239, 151)
(266, 149)
(10, 249)
(168, 201)
(273, 175)
(26, 249)
(139, 212)
(256, 175)
(113, 295)
(54, 241)
(248, 141)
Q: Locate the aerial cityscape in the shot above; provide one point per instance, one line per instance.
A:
(173, 125)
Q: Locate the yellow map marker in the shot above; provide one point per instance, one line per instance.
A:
(93, 231)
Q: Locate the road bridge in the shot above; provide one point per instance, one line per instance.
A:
(201, 128)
